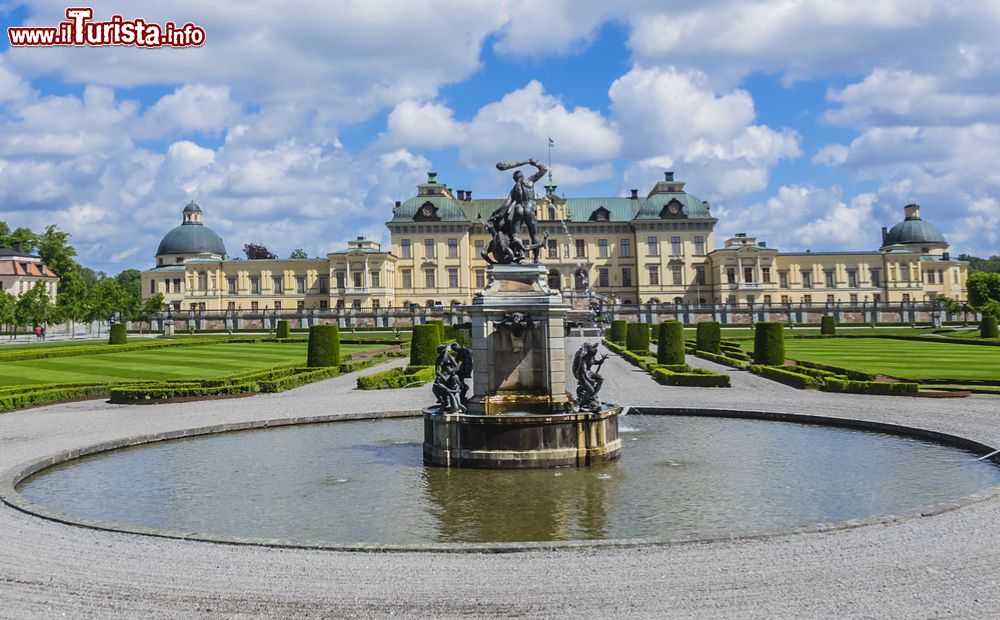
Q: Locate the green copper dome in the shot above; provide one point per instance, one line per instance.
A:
(913, 230)
(192, 237)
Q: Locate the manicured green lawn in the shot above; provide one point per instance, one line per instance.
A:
(746, 333)
(167, 363)
(900, 358)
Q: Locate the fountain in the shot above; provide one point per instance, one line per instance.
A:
(520, 414)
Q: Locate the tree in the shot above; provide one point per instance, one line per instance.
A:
(107, 301)
(8, 304)
(256, 251)
(34, 306)
(56, 252)
(24, 236)
(91, 277)
(983, 289)
(131, 282)
(978, 265)
(298, 253)
(149, 309)
(71, 300)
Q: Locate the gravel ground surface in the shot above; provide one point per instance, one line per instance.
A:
(944, 565)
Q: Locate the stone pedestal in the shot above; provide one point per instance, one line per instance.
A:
(521, 415)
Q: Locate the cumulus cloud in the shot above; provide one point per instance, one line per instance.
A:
(671, 119)
(192, 108)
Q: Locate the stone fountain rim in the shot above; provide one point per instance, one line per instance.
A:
(13, 476)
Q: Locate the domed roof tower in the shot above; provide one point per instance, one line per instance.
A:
(914, 233)
(191, 239)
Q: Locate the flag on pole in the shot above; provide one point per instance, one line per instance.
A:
(551, 143)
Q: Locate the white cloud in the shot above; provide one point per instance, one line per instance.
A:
(192, 107)
(429, 125)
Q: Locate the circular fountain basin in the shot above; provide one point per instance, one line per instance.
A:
(344, 484)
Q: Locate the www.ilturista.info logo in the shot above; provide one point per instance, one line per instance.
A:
(79, 29)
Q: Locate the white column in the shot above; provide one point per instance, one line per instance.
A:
(757, 277)
(364, 278)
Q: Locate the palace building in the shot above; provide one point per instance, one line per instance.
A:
(20, 271)
(659, 248)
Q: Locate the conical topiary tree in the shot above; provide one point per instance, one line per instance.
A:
(709, 337)
(637, 337)
(769, 344)
(324, 346)
(424, 343)
(670, 344)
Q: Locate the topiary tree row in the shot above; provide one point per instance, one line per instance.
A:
(709, 337)
(827, 326)
(637, 338)
(769, 344)
(424, 343)
(440, 325)
(283, 331)
(618, 332)
(670, 343)
(324, 346)
(988, 327)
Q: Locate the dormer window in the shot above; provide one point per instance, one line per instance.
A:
(427, 213)
(672, 209)
(600, 214)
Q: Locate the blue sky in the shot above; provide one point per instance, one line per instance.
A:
(807, 123)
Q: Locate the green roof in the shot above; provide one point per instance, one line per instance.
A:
(913, 230)
(191, 238)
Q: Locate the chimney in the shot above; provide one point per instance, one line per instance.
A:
(885, 233)
(762, 244)
(668, 176)
(461, 194)
(912, 211)
(399, 203)
(946, 256)
(468, 194)
(431, 178)
(635, 194)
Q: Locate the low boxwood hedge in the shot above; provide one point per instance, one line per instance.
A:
(395, 378)
(30, 398)
(834, 384)
(723, 359)
(695, 377)
(100, 349)
(854, 375)
(794, 379)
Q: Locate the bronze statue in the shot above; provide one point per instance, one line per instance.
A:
(517, 210)
(447, 386)
(463, 356)
(588, 380)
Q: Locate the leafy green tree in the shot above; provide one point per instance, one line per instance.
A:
(8, 304)
(107, 301)
(131, 282)
(981, 265)
(149, 309)
(298, 253)
(91, 277)
(34, 306)
(71, 299)
(24, 236)
(983, 288)
(56, 252)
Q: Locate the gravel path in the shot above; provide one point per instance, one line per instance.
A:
(939, 566)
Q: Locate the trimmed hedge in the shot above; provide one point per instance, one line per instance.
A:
(869, 387)
(161, 391)
(100, 349)
(637, 337)
(299, 378)
(424, 344)
(827, 326)
(118, 335)
(854, 375)
(709, 337)
(324, 346)
(812, 372)
(283, 331)
(440, 326)
(32, 398)
(670, 345)
(769, 344)
(723, 359)
(619, 331)
(695, 377)
(794, 379)
(988, 327)
(395, 378)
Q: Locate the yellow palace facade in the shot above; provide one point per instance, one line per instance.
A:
(658, 248)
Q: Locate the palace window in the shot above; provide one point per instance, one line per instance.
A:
(300, 305)
(828, 277)
(602, 277)
(652, 247)
(428, 248)
(255, 285)
(453, 278)
(854, 298)
(231, 305)
(429, 280)
(602, 248)
(876, 275)
(581, 248)
(785, 300)
(807, 279)
(452, 248)
(255, 306)
(748, 274)
(625, 248)
(203, 281)
(480, 278)
(480, 245)
(278, 285)
(676, 275)
(904, 273)
(341, 279)
(765, 273)
(231, 284)
(324, 285)
(358, 277)
(553, 248)
(407, 278)
(731, 275)
(767, 300)
(324, 304)
(300, 284)
(626, 276)
(405, 249)
(783, 279)
(277, 305)
(906, 298)
(654, 275)
(830, 299)
(675, 246)
(699, 275)
(807, 300)
(930, 276)
(152, 287)
(356, 304)
(852, 278)
(376, 279)
(375, 304)
(699, 246)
